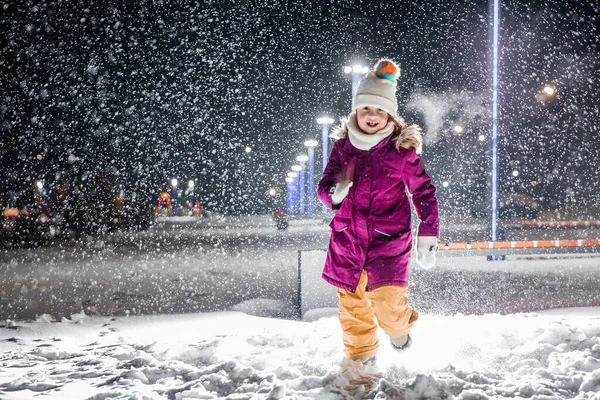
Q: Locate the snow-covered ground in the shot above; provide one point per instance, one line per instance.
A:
(232, 355)
(242, 338)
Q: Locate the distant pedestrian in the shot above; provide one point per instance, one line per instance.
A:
(372, 163)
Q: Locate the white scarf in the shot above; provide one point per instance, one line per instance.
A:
(361, 140)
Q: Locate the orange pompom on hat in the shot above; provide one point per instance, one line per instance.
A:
(378, 88)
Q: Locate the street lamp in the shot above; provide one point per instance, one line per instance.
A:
(357, 71)
(290, 187)
(291, 192)
(495, 53)
(303, 158)
(325, 122)
(311, 144)
(191, 194)
(296, 192)
(458, 129)
(248, 149)
(549, 90)
(174, 202)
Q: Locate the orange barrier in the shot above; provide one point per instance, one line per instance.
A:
(522, 244)
(557, 224)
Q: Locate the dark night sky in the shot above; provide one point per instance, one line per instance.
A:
(153, 89)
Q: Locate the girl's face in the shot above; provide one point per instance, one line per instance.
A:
(371, 119)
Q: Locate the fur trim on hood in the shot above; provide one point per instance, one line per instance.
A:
(409, 137)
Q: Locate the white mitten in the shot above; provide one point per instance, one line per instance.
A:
(340, 191)
(426, 248)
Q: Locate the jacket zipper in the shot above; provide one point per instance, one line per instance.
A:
(383, 233)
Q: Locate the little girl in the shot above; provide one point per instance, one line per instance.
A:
(372, 163)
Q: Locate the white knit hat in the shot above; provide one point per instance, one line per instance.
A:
(378, 88)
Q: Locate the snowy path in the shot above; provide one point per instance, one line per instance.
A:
(236, 356)
(218, 264)
(186, 270)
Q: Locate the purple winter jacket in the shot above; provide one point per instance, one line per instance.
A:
(371, 229)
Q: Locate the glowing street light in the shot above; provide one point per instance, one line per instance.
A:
(248, 149)
(303, 158)
(311, 144)
(291, 192)
(515, 173)
(357, 71)
(272, 192)
(174, 197)
(293, 188)
(549, 90)
(482, 138)
(495, 34)
(445, 184)
(325, 122)
(191, 194)
(458, 129)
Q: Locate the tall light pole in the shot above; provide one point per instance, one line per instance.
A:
(174, 197)
(357, 71)
(298, 170)
(290, 188)
(303, 158)
(311, 144)
(494, 216)
(325, 122)
(191, 195)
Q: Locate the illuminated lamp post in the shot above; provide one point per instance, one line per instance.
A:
(191, 195)
(174, 197)
(291, 188)
(495, 29)
(302, 159)
(311, 144)
(357, 71)
(549, 91)
(298, 192)
(458, 129)
(325, 122)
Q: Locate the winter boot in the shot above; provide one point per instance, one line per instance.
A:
(360, 366)
(369, 363)
(401, 343)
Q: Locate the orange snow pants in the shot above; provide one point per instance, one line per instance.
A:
(357, 313)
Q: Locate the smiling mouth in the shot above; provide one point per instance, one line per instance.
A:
(372, 124)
